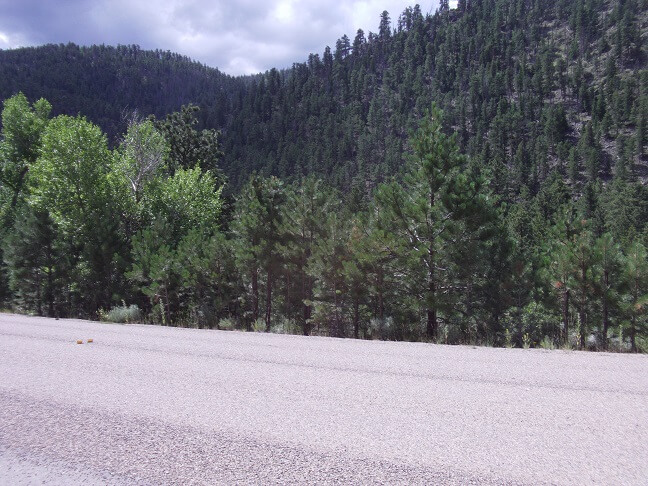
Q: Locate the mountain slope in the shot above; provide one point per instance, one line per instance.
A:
(104, 83)
(530, 85)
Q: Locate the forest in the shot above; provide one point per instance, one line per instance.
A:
(476, 175)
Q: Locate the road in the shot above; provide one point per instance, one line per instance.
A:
(155, 405)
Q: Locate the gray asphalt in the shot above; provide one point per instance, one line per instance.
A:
(154, 405)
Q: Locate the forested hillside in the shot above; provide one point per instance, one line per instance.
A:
(106, 84)
(476, 175)
(521, 81)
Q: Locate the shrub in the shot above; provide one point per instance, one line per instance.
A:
(286, 326)
(381, 328)
(508, 338)
(526, 341)
(227, 324)
(547, 343)
(259, 325)
(122, 314)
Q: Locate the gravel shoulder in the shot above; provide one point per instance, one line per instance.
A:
(154, 405)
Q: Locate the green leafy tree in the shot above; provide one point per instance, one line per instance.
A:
(556, 126)
(357, 268)
(168, 256)
(142, 155)
(72, 179)
(71, 175)
(20, 141)
(22, 129)
(190, 199)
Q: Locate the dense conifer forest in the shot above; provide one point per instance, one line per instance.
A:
(476, 175)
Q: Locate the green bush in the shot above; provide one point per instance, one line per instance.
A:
(286, 326)
(381, 328)
(547, 343)
(122, 314)
(227, 324)
(259, 325)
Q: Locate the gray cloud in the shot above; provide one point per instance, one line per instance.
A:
(241, 37)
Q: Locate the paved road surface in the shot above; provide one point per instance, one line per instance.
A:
(154, 405)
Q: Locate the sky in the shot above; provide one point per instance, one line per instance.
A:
(237, 37)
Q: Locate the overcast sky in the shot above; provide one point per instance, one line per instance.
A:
(238, 37)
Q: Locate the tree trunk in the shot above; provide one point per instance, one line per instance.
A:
(356, 319)
(633, 319)
(565, 315)
(381, 299)
(50, 293)
(336, 317)
(432, 323)
(519, 333)
(582, 313)
(605, 310)
(307, 294)
(307, 315)
(582, 317)
(18, 188)
(167, 304)
(307, 289)
(255, 297)
(39, 299)
(268, 309)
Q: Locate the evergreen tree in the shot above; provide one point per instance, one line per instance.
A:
(606, 256)
(259, 217)
(305, 213)
(327, 268)
(189, 147)
(36, 263)
(635, 273)
(427, 211)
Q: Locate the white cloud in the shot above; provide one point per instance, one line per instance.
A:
(284, 12)
(242, 37)
(11, 40)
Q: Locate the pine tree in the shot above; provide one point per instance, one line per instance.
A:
(583, 286)
(189, 147)
(606, 255)
(327, 268)
(35, 262)
(635, 273)
(259, 217)
(427, 211)
(305, 213)
(155, 272)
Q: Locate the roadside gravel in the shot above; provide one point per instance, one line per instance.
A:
(154, 405)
